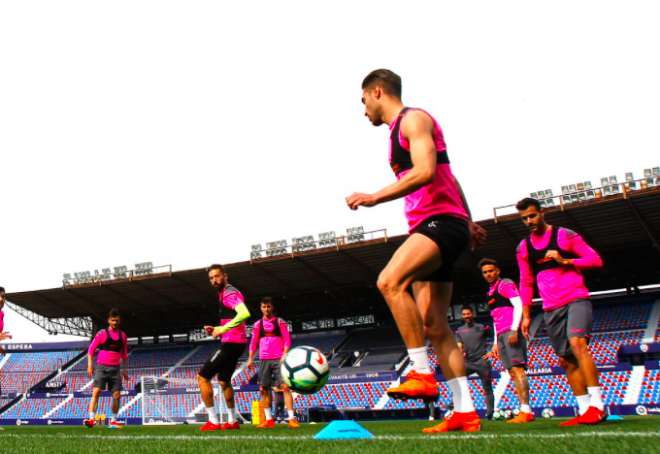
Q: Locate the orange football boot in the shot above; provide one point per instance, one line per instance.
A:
(467, 422)
(522, 418)
(417, 386)
(266, 424)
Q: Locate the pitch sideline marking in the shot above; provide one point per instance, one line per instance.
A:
(429, 437)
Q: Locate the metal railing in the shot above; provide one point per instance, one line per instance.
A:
(321, 244)
(591, 194)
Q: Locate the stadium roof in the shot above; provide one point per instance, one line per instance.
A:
(340, 281)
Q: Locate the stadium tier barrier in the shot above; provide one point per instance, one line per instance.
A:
(353, 389)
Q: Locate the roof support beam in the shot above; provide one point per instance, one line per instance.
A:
(651, 234)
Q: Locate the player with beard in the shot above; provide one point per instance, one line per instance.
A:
(506, 308)
(472, 339)
(440, 229)
(233, 314)
(554, 258)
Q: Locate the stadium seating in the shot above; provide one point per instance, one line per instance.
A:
(650, 392)
(32, 408)
(355, 395)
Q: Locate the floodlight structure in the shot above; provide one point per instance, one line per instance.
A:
(655, 172)
(303, 243)
(355, 234)
(144, 269)
(121, 272)
(276, 248)
(256, 251)
(630, 183)
(327, 239)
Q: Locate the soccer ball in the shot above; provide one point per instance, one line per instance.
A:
(508, 414)
(305, 370)
(547, 413)
(497, 415)
(516, 411)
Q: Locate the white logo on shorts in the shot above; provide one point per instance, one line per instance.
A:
(433, 224)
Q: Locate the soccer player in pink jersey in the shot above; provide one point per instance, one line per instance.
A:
(113, 349)
(440, 230)
(554, 257)
(233, 313)
(272, 337)
(507, 310)
(3, 335)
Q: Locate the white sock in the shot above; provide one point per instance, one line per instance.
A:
(460, 393)
(291, 415)
(583, 403)
(92, 414)
(213, 415)
(596, 397)
(114, 417)
(419, 360)
(525, 409)
(268, 413)
(231, 415)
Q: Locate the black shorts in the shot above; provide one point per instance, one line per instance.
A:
(452, 235)
(223, 362)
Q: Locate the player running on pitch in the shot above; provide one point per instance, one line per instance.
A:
(506, 307)
(113, 349)
(554, 257)
(472, 339)
(272, 336)
(233, 313)
(440, 230)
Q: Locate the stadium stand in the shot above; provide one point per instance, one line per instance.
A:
(380, 349)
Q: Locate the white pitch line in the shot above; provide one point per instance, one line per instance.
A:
(429, 437)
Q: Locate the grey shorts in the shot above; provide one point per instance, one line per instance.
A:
(512, 356)
(269, 369)
(109, 376)
(571, 320)
(481, 367)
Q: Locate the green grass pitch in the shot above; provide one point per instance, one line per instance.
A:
(632, 435)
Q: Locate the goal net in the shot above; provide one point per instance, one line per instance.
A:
(178, 401)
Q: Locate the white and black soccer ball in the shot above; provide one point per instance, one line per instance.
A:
(516, 411)
(497, 415)
(508, 414)
(547, 413)
(305, 370)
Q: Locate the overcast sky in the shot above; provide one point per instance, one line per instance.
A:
(183, 132)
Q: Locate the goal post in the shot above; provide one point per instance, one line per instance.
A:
(168, 401)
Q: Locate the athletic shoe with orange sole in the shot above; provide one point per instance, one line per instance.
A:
(467, 422)
(266, 424)
(89, 423)
(522, 418)
(571, 422)
(114, 425)
(593, 416)
(233, 426)
(210, 426)
(294, 424)
(417, 386)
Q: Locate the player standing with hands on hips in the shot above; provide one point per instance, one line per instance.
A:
(440, 229)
